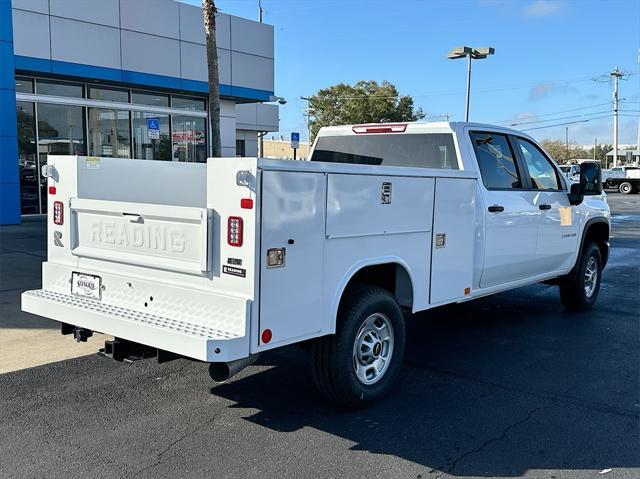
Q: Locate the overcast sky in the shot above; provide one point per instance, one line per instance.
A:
(551, 63)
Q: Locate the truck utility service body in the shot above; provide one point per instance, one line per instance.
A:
(220, 261)
(626, 179)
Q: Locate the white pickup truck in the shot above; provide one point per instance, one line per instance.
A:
(221, 261)
(626, 179)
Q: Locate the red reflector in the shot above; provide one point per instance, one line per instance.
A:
(58, 212)
(246, 203)
(380, 128)
(266, 336)
(234, 231)
(52, 190)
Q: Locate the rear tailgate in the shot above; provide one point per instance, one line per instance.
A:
(173, 238)
(142, 252)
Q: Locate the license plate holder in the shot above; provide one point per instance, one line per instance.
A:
(86, 285)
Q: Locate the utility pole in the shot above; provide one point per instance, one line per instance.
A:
(308, 113)
(616, 74)
(595, 147)
(566, 141)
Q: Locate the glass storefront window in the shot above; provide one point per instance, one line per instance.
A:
(57, 88)
(148, 98)
(24, 85)
(146, 148)
(27, 160)
(61, 131)
(241, 148)
(109, 94)
(186, 103)
(188, 139)
(109, 133)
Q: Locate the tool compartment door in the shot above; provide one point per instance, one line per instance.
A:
(293, 215)
(452, 246)
(173, 238)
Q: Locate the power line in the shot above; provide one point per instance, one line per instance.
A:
(567, 123)
(559, 112)
(559, 118)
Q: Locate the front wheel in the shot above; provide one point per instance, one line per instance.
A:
(360, 363)
(579, 290)
(625, 188)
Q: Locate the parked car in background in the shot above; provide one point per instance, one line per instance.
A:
(616, 172)
(572, 172)
(630, 183)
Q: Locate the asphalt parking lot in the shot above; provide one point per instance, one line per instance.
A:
(508, 386)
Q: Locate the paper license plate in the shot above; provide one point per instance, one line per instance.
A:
(86, 285)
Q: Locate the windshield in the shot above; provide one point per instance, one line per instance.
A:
(425, 150)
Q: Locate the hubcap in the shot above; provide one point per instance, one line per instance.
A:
(373, 349)
(590, 277)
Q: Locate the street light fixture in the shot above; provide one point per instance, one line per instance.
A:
(279, 99)
(470, 54)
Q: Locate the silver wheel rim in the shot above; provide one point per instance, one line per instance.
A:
(625, 188)
(373, 349)
(590, 277)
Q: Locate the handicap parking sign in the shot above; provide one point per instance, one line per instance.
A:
(153, 128)
(295, 140)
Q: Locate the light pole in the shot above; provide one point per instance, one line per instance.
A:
(308, 114)
(470, 54)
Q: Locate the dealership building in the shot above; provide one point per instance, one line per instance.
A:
(122, 78)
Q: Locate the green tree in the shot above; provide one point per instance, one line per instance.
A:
(601, 153)
(559, 151)
(364, 102)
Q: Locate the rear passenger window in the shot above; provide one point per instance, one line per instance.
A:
(496, 160)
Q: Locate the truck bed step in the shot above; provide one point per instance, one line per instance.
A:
(178, 336)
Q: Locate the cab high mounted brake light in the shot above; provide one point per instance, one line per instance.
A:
(380, 128)
(58, 213)
(234, 231)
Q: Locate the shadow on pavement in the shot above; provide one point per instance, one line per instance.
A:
(503, 386)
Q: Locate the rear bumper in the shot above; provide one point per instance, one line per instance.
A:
(178, 336)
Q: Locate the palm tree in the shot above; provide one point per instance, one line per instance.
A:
(209, 10)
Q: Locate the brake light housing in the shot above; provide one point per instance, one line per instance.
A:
(58, 213)
(380, 128)
(234, 231)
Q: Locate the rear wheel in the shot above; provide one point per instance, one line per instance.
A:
(359, 364)
(625, 188)
(579, 290)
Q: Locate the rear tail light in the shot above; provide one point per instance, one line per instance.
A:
(234, 231)
(58, 212)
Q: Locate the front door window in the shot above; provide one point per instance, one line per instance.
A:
(543, 175)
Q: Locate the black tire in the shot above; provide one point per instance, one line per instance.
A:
(625, 188)
(573, 289)
(334, 357)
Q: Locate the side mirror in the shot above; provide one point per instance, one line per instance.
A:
(590, 183)
(591, 178)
